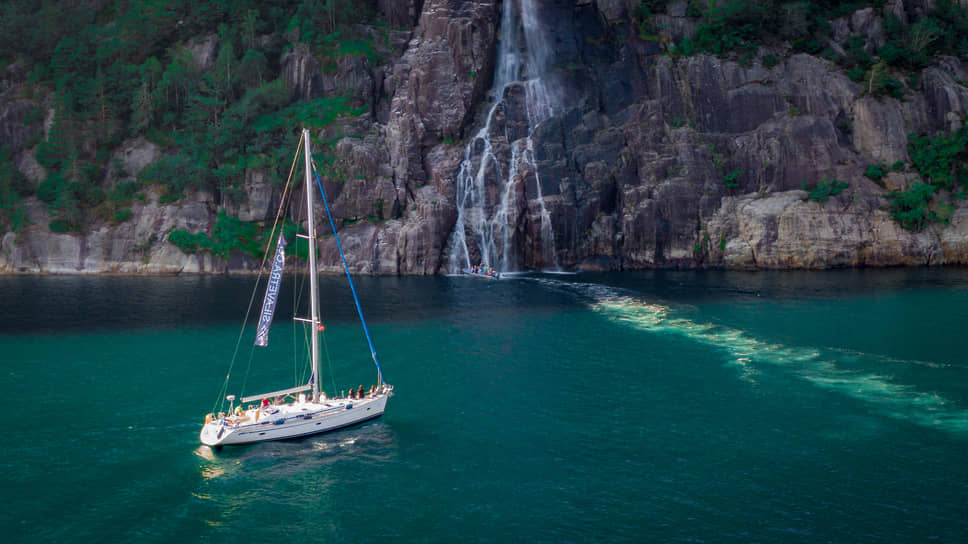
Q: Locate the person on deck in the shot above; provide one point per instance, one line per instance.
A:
(359, 393)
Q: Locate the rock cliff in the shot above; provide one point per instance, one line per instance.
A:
(630, 168)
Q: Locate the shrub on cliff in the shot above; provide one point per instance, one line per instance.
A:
(230, 235)
(942, 160)
(190, 243)
(825, 189)
(731, 179)
(912, 208)
(13, 186)
(875, 172)
(742, 26)
(942, 30)
(737, 25)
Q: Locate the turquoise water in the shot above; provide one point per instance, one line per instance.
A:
(649, 407)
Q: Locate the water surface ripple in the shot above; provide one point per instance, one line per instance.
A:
(658, 406)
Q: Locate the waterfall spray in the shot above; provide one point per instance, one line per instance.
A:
(490, 192)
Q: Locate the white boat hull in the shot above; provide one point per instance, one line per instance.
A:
(292, 421)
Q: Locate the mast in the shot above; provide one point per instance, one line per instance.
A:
(349, 279)
(313, 287)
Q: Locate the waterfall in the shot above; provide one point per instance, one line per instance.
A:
(492, 202)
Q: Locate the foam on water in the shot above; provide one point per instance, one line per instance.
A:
(821, 367)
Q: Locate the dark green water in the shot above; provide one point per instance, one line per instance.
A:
(654, 407)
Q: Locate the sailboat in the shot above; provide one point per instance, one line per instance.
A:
(302, 410)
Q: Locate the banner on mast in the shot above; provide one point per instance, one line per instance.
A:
(272, 293)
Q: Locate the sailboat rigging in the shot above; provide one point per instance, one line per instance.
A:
(302, 415)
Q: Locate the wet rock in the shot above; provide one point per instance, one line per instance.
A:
(302, 72)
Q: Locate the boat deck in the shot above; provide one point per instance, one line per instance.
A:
(276, 414)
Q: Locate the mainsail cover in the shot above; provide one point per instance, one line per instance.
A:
(272, 294)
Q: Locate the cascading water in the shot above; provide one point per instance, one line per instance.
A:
(492, 206)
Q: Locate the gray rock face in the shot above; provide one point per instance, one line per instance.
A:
(352, 77)
(204, 50)
(15, 110)
(136, 246)
(879, 130)
(261, 199)
(400, 12)
(131, 158)
(14, 132)
(302, 72)
(648, 183)
(784, 230)
(444, 71)
(943, 96)
(652, 160)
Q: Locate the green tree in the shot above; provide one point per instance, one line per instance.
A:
(178, 82)
(249, 26)
(13, 186)
(224, 76)
(253, 68)
(144, 102)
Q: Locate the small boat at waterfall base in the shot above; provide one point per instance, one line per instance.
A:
(482, 272)
(304, 409)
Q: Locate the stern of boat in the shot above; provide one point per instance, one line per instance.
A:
(215, 433)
